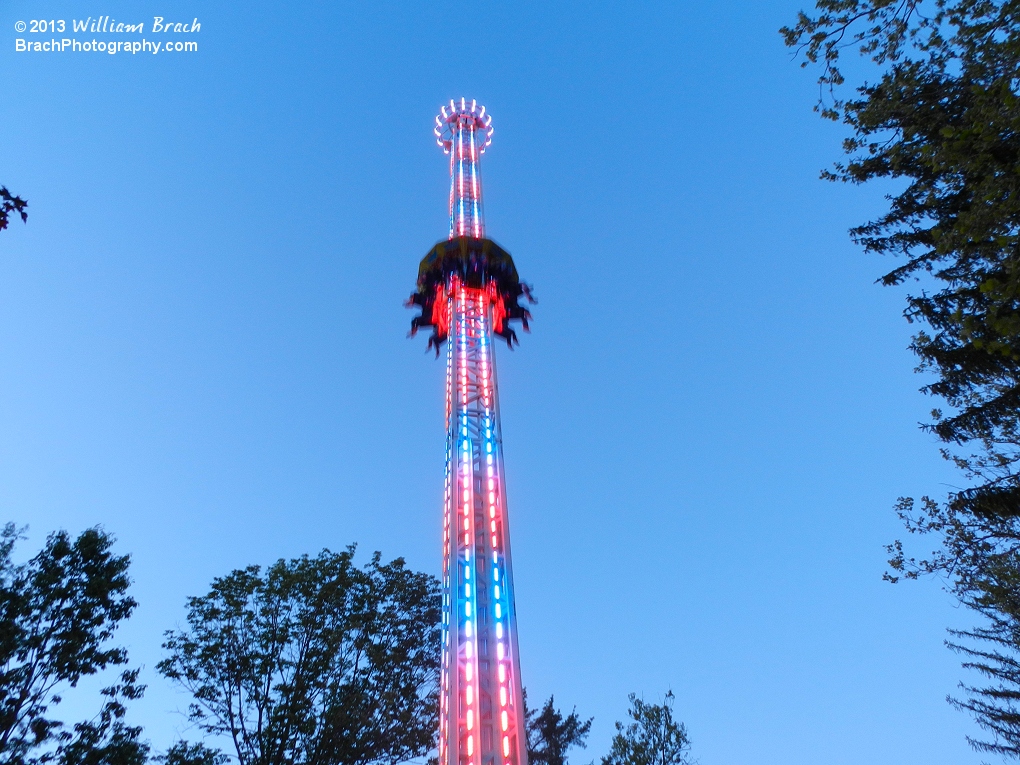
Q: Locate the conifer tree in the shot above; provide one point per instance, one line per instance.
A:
(551, 735)
(943, 119)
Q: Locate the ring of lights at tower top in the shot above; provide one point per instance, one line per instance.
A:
(460, 116)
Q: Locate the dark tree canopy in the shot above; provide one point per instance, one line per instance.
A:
(551, 735)
(314, 661)
(943, 120)
(653, 738)
(11, 204)
(186, 753)
(58, 613)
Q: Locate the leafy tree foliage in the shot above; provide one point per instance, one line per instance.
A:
(107, 739)
(11, 204)
(653, 738)
(314, 661)
(551, 735)
(58, 613)
(943, 119)
(186, 753)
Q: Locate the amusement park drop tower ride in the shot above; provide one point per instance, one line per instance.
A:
(468, 290)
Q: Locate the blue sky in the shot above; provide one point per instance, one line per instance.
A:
(203, 346)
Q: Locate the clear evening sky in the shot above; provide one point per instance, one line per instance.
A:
(202, 346)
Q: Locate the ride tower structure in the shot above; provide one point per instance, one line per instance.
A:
(468, 291)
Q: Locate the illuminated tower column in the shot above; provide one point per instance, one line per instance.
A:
(465, 132)
(468, 290)
(483, 721)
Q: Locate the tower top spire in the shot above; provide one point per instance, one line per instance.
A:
(464, 131)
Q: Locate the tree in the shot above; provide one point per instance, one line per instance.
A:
(314, 661)
(654, 738)
(58, 613)
(11, 204)
(551, 735)
(943, 119)
(186, 753)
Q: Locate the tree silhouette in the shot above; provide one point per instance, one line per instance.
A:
(313, 662)
(11, 204)
(551, 735)
(654, 738)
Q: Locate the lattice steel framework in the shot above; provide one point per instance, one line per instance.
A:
(468, 290)
(482, 719)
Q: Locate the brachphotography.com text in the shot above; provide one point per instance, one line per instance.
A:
(118, 36)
